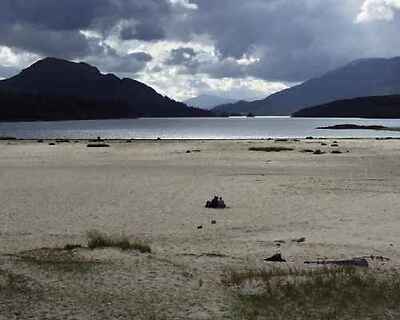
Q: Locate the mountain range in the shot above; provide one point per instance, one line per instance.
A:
(55, 89)
(208, 102)
(360, 78)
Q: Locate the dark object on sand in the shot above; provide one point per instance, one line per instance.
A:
(336, 152)
(188, 151)
(270, 149)
(355, 262)
(200, 227)
(70, 247)
(318, 152)
(62, 141)
(213, 222)
(216, 203)
(300, 240)
(307, 151)
(98, 145)
(334, 145)
(276, 258)
(40, 141)
(52, 144)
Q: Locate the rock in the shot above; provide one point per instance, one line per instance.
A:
(213, 222)
(300, 240)
(98, 145)
(276, 258)
(199, 227)
(318, 152)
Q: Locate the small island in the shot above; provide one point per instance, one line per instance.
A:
(358, 127)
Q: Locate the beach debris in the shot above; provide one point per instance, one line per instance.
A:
(213, 222)
(270, 149)
(307, 150)
(323, 144)
(216, 203)
(40, 141)
(188, 151)
(355, 262)
(275, 258)
(318, 152)
(334, 145)
(199, 227)
(98, 145)
(52, 144)
(336, 152)
(300, 240)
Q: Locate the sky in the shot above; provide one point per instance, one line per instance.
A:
(242, 49)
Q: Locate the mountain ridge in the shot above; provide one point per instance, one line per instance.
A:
(52, 78)
(363, 77)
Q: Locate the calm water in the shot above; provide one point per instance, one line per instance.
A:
(198, 128)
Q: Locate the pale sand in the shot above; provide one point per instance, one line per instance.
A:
(346, 205)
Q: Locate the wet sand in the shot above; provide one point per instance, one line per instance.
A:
(345, 205)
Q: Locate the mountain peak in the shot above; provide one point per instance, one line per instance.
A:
(55, 65)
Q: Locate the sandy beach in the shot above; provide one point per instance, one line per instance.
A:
(344, 204)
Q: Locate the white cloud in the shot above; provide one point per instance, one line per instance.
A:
(374, 10)
(184, 4)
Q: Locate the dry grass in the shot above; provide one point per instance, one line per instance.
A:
(270, 149)
(97, 239)
(335, 293)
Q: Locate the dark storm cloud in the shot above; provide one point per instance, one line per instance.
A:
(49, 27)
(291, 40)
(294, 40)
(184, 56)
(143, 31)
(123, 65)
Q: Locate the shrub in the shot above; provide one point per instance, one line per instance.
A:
(322, 293)
(97, 239)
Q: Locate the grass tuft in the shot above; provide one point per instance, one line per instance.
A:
(329, 293)
(97, 239)
(270, 149)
